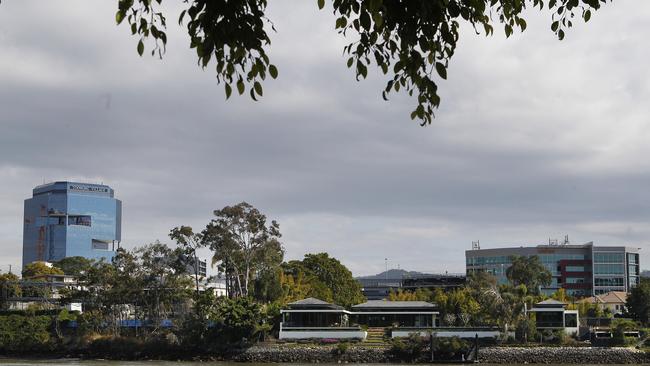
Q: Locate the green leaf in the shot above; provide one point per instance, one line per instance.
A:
(119, 17)
(555, 25)
(228, 91)
(378, 19)
(365, 20)
(258, 88)
(240, 87)
(341, 22)
(321, 4)
(508, 30)
(350, 61)
(273, 71)
(140, 47)
(522, 24)
(587, 15)
(442, 70)
(362, 70)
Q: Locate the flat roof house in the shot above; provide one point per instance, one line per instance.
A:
(314, 318)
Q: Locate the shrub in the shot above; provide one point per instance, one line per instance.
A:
(342, 348)
(408, 349)
(129, 348)
(450, 348)
(23, 334)
(619, 327)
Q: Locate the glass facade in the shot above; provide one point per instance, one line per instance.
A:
(614, 269)
(633, 270)
(65, 219)
(582, 270)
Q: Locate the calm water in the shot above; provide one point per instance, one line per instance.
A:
(160, 363)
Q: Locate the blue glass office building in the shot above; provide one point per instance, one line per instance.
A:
(66, 219)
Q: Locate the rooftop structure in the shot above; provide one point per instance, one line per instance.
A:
(65, 219)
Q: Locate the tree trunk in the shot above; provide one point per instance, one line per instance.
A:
(196, 272)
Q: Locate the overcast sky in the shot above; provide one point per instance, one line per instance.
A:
(535, 138)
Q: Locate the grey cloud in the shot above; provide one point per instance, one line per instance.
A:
(535, 137)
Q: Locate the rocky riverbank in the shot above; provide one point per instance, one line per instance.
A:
(492, 355)
(563, 355)
(312, 354)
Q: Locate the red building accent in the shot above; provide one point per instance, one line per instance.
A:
(585, 275)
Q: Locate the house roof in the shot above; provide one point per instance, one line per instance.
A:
(374, 304)
(613, 297)
(550, 303)
(312, 303)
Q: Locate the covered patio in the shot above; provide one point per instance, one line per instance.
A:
(399, 314)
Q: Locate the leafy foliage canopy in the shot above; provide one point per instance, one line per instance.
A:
(410, 41)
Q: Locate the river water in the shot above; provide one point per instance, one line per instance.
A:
(9, 362)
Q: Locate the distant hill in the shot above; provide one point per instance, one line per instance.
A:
(393, 274)
(645, 274)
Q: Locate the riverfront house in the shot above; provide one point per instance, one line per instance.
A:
(314, 318)
(553, 315)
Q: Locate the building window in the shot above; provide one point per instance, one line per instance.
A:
(611, 281)
(574, 268)
(609, 257)
(632, 258)
(575, 280)
(609, 269)
(100, 244)
(570, 320)
(79, 220)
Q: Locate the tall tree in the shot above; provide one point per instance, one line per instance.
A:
(410, 41)
(146, 283)
(162, 272)
(298, 285)
(39, 269)
(244, 243)
(9, 287)
(336, 277)
(189, 242)
(73, 266)
(638, 302)
(528, 271)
